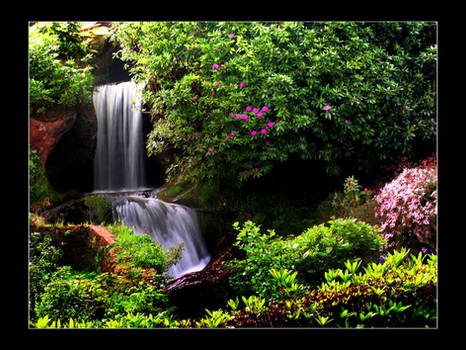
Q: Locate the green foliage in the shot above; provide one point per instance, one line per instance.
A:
(309, 255)
(194, 73)
(141, 251)
(41, 193)
(101, 206)
(400, 292)
(72, 295)
(59, 70)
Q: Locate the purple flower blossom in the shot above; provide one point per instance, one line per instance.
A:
(346, 121)
(255, 110)
(241, 84)
(253, 133)
(231, 35)
(259, 114)
(248, 108)
(263, 131)
(233, 133)
(215, 66)
(327, 107)
(265, 109)
(232, 115)
(244, 116)
(218, 84)
(270, 124)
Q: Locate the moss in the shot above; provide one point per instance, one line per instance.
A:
(42, 195)
(101, 206)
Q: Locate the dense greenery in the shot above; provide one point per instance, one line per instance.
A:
(235, 98)
(309, 254)
(233, 101)
(59, 70)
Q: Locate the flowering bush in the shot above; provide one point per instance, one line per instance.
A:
(234, 99)
(407, 207)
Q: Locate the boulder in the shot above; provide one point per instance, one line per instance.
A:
(47, 129)
(206, 289)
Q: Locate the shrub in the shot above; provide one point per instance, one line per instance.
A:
(141, 251)
(396, 293)
(331, 92)
(59, 70)
(407, 208)
(310, 254)
(72, 295)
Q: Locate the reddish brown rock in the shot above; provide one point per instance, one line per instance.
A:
(46, 130)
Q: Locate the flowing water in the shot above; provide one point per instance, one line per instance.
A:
(119, 174)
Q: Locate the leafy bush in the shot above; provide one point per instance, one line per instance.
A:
(310, 254)
(72, 295)
(234, 99)
(407, 208)
(141, 251)
(59, 70)
(400, 292)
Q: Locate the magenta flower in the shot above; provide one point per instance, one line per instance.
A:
(265, 109)
(259, 114)
(406, 106)
(211, 149)
(208, 136)
(253, 133)
(233, 132)
(216, 49)
(215, 66)
(270, 124)
(263, 131)
(346, 121)
(244, 116)
(232, 85)
(231, 35)
(256, 170)
(255, 110)
(326, 108)
(222, 66)
(228, 136)
(195, 134)
(232, 115)
(248, 108)
(238, 116)
(218, 84)
(267, 143)
(241, 84)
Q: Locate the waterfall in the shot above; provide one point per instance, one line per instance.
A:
(119, 174)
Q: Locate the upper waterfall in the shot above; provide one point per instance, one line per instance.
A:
(119, 158)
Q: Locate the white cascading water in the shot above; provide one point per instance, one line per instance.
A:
(119, 174)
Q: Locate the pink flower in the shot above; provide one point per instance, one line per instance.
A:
(388, 88)
(211, 149)
(232, 85)
(195, 134)
(255, 110)
(267, 143)
(263, 131)
(301, 72)
(365, 190)
(188, 48)
(218, 84)
(270, 124)
(233, 132)
(248, 108)
(241, 84)
(432, 128)
(215, 66)
(253, 133)
(346, 121)
(208, 136)
(256, 170)
(406, 106)
(216, 49)
(222, 66)
(232, 115)
(228, 136)
(403, 111)
(259, 114)
(238, 116)
(231, 35)
(326, 108)
(265, 109)
(244, 116)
